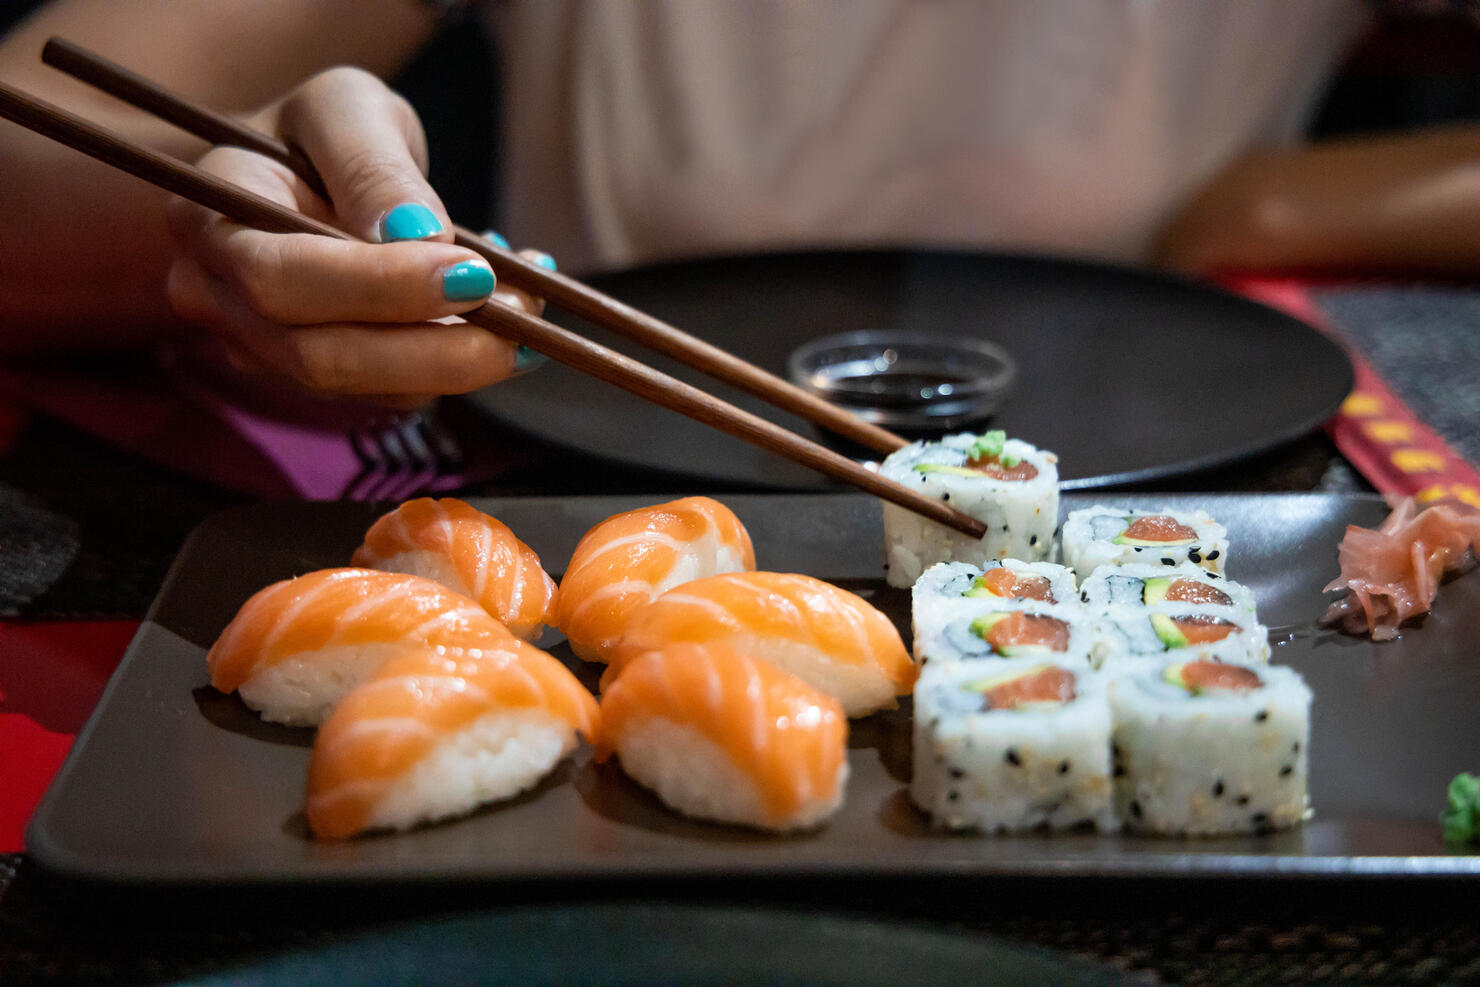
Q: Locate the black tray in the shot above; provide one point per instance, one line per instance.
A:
(1130, 376)
(174, 783)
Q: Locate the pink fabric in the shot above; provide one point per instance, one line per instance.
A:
(183, 413)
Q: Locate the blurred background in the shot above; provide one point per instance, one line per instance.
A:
(1418, 65)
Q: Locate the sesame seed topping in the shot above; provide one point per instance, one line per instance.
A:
(1243, 800)
(1218, 789)
(1194, 556)
(1212, 555)
(1261, 716)
(1013, 758)
(1136, 809)
(1286, 771)
(1167, 561)
(1063, 767)
(957, 773)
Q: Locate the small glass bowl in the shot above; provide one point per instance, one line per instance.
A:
(907, 381)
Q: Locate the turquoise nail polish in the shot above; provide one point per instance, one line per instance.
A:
(496, 239)
(467, 282)
(527, 359)
(546, 261)
(409, 221)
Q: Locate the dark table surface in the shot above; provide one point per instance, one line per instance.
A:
(102, 528)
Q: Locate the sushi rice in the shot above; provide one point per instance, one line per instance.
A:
(1021, 516)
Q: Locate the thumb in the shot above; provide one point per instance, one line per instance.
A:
(368, 147)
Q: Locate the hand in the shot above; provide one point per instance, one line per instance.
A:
(338, 317)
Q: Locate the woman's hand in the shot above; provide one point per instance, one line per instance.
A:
(374, 319)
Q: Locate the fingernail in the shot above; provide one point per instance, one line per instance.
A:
(467, 281)
(545, 261)
(409, 221)
(527, 359)
(496, 239)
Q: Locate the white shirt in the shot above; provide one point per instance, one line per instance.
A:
(639, 130)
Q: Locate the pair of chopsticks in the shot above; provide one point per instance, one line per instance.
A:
(553, 341)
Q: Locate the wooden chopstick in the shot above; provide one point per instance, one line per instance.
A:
(561, 344)
(570, 294)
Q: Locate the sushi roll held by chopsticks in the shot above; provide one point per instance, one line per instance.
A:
(1009, 485)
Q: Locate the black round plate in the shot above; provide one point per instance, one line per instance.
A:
(664, 944)
(1128, 375)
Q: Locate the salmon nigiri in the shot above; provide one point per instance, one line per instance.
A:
(296, 647)
(830, 638)
(720, 735)
(467, 551)
(631, 558)
(437, 733)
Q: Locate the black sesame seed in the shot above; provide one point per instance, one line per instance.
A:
(1084, 597)
(1032, 539)
(1012, 757)
(945, 496)
(1213, 555)
(957, 773)
(1063, 767)
(1287, 770)
(1119, 771)
(1243, 800)
(1138, 547)
(1167, 561)
(1194, 556)
(953, 795)
(1261, 716)
(1218, 789)
(1295, 749)
(1136, 809)
(1259, 818)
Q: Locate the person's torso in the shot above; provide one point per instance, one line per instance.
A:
(664, 128)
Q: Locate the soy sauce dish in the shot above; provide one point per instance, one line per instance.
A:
(911, 382)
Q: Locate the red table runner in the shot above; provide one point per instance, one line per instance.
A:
(1377, 433)
(52, 674)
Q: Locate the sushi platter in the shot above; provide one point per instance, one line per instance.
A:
(175, 782)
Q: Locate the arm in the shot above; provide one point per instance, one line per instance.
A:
(1408, 202)
(83, 248)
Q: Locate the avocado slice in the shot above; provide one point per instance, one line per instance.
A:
(1155, 589)
(1167, 630)
(942, 468)
(1123, 539)
(985, 685)
(1172, 675)
(982, 626)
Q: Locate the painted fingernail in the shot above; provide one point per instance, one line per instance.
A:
(527, 359)
(409, 221)
(467, 281)
(496, 239)
(545, 261)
